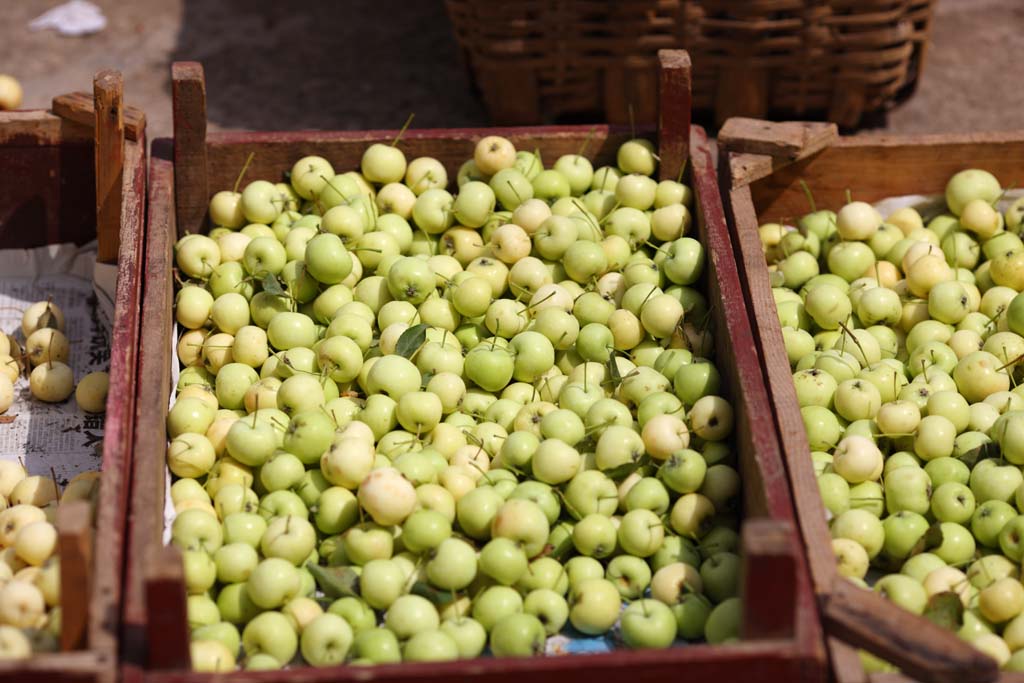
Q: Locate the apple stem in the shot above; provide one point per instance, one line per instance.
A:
(586, 141)
(1011, 363)
(408, 122)
(1002, 195)
(241, 174)
(849, 196)
(616, 205)
(512, 187)
(807, 193)
(329, 184)
(56, 486)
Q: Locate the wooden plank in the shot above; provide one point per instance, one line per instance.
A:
(74, 544)
(675, 99)
(769, 660)
(810, 510)
(844, 661)
(746, 168)
(78, 107)
(108, 90)
(165, 605)
(921, 649)
(149, 441)
(66, 667)
(190, 170)
(788, 139)
(769, 604)
(40, 128)
(105, 613)
(876, 167)
(766, 492)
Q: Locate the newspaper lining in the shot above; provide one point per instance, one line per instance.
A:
(47, 435)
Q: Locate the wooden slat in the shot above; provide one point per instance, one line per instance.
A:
(674, 109)
(767, 660)
(788, 139)
(74, 538)
(921, 649)
(876, 167)
(165, 605)
(79, 107)
(803, 482)
(746, 168)
(108, 89)
(190, 169)
(154, 369)
(770, 605)
(40, 128)
(66, 667)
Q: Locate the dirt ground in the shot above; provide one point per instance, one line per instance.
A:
(367, 63)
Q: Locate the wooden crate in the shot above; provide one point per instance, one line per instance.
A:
(70, 176)
(782, 635)
(761, 168)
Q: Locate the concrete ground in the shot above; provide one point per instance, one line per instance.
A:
(367, 63)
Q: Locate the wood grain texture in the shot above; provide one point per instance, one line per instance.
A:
(108, 90)
(166, 609)
(674, 111)
(768, 660)
(779, 379)
(746, 168)
(188, 89)
(145, 532)
(75, 547)
(770, 605)
(78, 107)
(36, 128)
(66, 667)
(787, 139)
(875, 167)
(921, 649)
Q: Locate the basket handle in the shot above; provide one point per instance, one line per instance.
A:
(191, 185)
(674, 95)
(923, 650)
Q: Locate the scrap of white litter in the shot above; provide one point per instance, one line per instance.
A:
(74, 18)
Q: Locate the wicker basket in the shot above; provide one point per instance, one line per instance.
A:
(550, 60)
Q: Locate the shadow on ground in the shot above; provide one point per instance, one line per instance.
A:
(352, 64)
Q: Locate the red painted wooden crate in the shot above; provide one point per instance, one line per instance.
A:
(759, 187)
(50, 194)
(782, 634)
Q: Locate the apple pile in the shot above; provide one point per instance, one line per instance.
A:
(414, 425)
(30, 614)
(906, 345)
(29, 564)
(44, 357)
